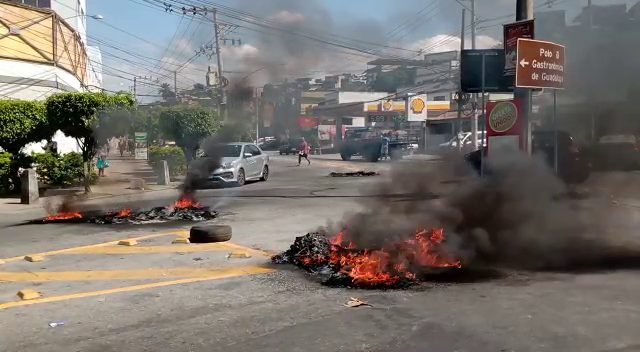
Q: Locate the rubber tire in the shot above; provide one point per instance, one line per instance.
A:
(265, 171)
(210, 233)
(244, 178)
(281, 152)
(345, 156)
(395, 154)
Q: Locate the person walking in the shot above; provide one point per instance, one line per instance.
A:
(385, 146)
(303, 151)
(122, 145)
(102, 163)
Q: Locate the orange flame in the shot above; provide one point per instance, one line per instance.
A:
(186, 203)
(390, 265)
(124, 213)
(63, 216)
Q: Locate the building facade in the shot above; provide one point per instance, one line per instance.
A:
(43, 51)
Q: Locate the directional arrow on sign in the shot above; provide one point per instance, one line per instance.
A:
(524, 63)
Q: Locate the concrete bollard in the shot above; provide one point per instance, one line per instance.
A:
(138, 183)
(29, 193)
(163, 173)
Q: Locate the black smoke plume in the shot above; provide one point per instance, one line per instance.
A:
(519, 217)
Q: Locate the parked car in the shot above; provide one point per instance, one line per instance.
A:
(290, 146)
(466, 141)
(616, 152)
(241, 162)
(573, 165)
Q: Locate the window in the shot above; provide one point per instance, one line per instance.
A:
(36, 3)
(250, 148)
(440, 98)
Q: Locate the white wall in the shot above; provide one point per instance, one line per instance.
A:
(28, 81)
(94, 69)
(333, 98)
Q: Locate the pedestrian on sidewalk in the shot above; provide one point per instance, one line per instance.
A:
(303, 151)
(102, 163)
(122, 145)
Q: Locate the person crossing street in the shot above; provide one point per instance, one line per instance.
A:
(303, 151)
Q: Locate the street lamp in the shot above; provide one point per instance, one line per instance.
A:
(95, 17)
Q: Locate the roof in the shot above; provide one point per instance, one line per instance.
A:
(239, 143)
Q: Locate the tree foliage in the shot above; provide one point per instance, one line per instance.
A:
(21, 123)
(166, 92)
(188, 126)
(236, 131)
(145, 120)
(91, 118)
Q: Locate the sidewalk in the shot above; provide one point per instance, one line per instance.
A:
(116, 183)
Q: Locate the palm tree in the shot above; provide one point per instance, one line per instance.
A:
(166, 92)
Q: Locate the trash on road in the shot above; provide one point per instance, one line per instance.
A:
(354, 174)
(238, 255)
(57, 323)
(354, 302)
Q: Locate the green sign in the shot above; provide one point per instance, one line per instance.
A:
(140, 139)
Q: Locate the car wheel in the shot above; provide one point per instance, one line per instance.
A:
(265, 173)
(281, 152)
(210, 233)
(240, 181)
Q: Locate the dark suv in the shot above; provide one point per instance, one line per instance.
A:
(290, 146)
(573, 165)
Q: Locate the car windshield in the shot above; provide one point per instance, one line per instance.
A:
(231, 151)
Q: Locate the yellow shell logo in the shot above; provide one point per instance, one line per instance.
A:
(418, 105)
(386, 105)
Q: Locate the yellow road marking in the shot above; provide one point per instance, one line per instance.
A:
(130, 274)
(153, 249)
(62, 251)
(251, 250)
(221, 274)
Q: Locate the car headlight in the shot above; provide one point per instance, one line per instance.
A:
(228, 165)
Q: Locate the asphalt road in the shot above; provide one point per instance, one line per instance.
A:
(159, 296)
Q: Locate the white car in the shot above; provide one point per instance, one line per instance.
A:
(466, 142)
(241, 162)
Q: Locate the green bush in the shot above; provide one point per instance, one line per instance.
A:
(174, 156)
(59, 170)
(5, 171)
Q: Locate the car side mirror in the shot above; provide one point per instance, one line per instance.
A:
(248, 155)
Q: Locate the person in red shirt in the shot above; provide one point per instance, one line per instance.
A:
(303, 151)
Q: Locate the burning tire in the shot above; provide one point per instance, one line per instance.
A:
(210, 233)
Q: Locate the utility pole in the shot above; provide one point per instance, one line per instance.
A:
(257, 114)
(589, 70)
(458, 124)
(175, 84)
(222, 109)
(474, 117)
(135, 92)
(524, 11)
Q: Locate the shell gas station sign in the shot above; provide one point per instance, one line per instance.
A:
(504, 126)
(415, 108)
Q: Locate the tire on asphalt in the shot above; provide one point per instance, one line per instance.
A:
(241, 180)
(395, 154)
(346, 156)
(210, 233)
(265, 173)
